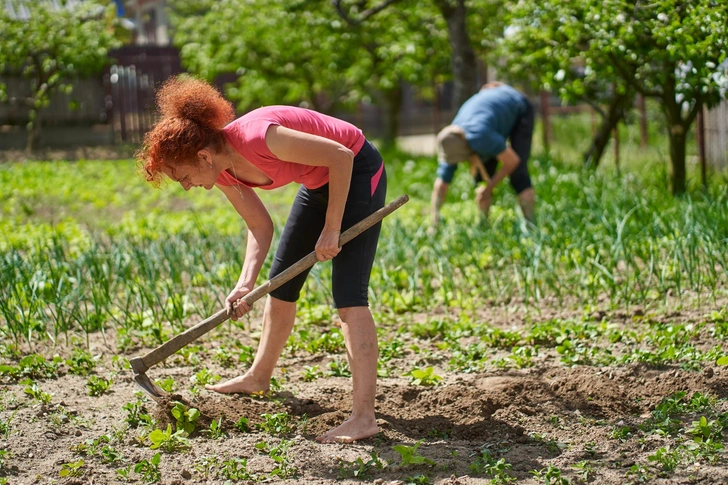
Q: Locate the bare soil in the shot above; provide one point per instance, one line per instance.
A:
(549, 414)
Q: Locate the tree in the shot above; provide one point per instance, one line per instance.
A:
(327, 55)
(52, 44)
(407, 43)
(548, 46)
(668, 50)
(280, 51)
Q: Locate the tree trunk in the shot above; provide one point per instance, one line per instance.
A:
(393, 99)
(677, 157)
(614, 114)
(464, 65)
(33, 130)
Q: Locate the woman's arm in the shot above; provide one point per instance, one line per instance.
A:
(260, 234)
(304, 148)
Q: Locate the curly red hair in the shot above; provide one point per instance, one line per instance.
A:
(193, 114)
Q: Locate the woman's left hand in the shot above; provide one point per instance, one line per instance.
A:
(327, 245)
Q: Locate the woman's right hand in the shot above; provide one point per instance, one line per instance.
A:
(236, 306)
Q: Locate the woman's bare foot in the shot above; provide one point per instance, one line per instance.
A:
(351, 430)
(246, 384)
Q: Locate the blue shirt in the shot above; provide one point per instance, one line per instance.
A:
(487, 119)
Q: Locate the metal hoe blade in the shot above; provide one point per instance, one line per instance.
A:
(140, 377)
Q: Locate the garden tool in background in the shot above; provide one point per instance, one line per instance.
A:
(140, 365)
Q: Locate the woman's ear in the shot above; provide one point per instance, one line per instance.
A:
(204, 157)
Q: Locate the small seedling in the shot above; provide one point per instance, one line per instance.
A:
(236, 469)
(276, 424)
(167, 384)
(203, 378)
(339, 368)
(169, 441)
(73, 469)
(310, 374)
(137, 414)
(149, 469)
(418, 480)
(550, 476)
(82, 363)
(499, 470)
(359, 468)
(279, 454)
(242, 425)
(37, 394)
(216, 432)
(410, 456)
(424, 377)
(98, 385)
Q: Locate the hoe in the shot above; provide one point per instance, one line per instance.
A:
(140, 365)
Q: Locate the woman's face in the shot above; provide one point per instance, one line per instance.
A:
(201, 174)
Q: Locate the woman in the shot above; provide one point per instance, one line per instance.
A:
(197, 144)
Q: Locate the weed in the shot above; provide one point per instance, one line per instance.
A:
(33, 366)
(137, 414)
(279, 454)
(585, 469)
(639, 474)
(420, 479)
(666, 458)
(167, 384)
(205, 465)
(203, 378)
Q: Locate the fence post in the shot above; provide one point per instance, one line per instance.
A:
(545, 100)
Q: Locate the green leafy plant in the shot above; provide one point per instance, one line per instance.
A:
(98, 385)
(499, 470)
(167, 384)
(137, 414)
(550, 476)
(242, 425)
(37, 394)
(360, 468)
(410, 456)
(169, 441)
(216, 430)
(81, 363)
(339, 368)
(279, 454)
(149, 469)
(424, 377)
(186, 417)
(311, 373)
(236, 469)
(72, 469)
(275, 424)
(204, 377)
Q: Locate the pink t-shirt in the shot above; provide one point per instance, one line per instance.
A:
(247, 135)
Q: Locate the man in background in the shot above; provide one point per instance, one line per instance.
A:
(478, 135)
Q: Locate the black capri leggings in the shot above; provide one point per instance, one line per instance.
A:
(353, 265)
(521, 143)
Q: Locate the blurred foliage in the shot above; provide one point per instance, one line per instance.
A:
(51, 46)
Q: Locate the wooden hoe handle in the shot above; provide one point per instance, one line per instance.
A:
(193, 333)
